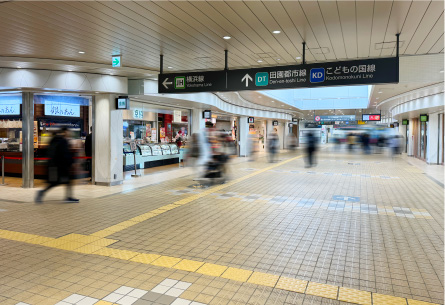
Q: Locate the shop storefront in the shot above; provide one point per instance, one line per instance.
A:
(51, 112)
(154, 135)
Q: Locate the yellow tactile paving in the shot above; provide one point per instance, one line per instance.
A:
(71, 245)
(145, 258)
(322, 290)
(87, 249)
(236, 274)
(291, 284)
(263, 279)
(188, 265)
(39, 240)
(103, 242)
(382, 299)
(166, 261)
(354, 296)
(211, 269)
(415, 302)
(55, 243)
(123, 254)
(101, 302)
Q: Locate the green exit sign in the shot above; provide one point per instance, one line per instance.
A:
(116, 61)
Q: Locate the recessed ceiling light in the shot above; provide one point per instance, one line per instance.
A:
(155, 79)
(273, 101)
(81, 52)
(276, 32)
(259, 96)
(170, 67)
(278, 58)
(376, 98)
(70, 70)
(19, 67)
(298, 57)
(96, 92)
(227, 37)
(380, 91)
(259, 60)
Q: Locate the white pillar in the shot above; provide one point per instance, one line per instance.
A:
(410, 150)
(27, 140)
(432, 139)
(108, 141)
(243, 130)
(286, 134)
(198, 122)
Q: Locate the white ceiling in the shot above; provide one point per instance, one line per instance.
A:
(189, 33)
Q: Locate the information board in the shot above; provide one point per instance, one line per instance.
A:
(340, 73)
(371, 117)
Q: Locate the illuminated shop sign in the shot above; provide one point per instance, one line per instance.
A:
(53, 108)
(371, 117)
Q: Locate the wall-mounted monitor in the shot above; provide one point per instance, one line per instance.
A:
(424, 117)
(250, 120)
(275, 123)
(122, 103)
(371, 117)
(295, 120)
(207, 114)
(405, 122)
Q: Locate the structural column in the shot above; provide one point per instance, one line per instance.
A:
(433, 133)
(27, 140)
(243, 130)
(198, 122)
(107, 141)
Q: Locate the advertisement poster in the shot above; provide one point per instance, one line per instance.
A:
(36, 138)
(154, 137)
(162, 133)
(147, 130)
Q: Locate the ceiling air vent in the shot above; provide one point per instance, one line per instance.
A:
(388, 45)
(322, 50)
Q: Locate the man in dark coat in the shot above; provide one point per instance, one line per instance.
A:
(60, 162)
(310, 149)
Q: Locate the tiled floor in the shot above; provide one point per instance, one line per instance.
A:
(356, 229)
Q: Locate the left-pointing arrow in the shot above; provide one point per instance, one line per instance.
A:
(165, 83)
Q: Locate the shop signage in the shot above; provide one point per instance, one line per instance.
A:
(371, 117)
(9, 109)
(177, 116)
(53, 108)
(424, 117)
(138, 114)
(323, 118)
(275, 123)
(250, 120)
(341, 73)
(295, 120)
(116, 61)
(405, 122)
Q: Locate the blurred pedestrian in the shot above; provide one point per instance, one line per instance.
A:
(272, 145)
(61, 160)
(89, 152)
(292, 142)
(310, 149)
(365, 143)
(351, 141)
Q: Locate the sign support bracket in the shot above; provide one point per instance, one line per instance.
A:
(226, 56)
(304, 53)
(397, 44)
(161, 64)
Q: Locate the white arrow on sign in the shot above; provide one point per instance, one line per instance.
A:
(165, 83)
(246, 78)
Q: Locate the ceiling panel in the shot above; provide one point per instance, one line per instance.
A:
(332, 23)
(189, 33)
(348, 21)
(364, 13)
(432, 14)
(299, 20)
(382, 11)
(395, 24)
(413, 19)
(313, 14)
(438, 46)
(432, 37)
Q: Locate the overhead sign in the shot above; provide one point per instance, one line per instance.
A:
(122, 103)
(371, 117)
(177, 116)
(405, 122)
(424, 117)
(274, 123)
(319, 118)
(340, 73)
(207, 81)
(250, 120)
(116, 61)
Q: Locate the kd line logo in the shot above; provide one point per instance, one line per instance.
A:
(317, 75)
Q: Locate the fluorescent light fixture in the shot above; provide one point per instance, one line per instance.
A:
(380, 91)
(278, 58)
(276, 32)
(96, 92)
(19, 67)
(298, 57)
(155, 79)
(259, 96)
(227, 37)
(170, 67)
(273, 101)
(259, 60)
(70, 70)
(81, 52)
